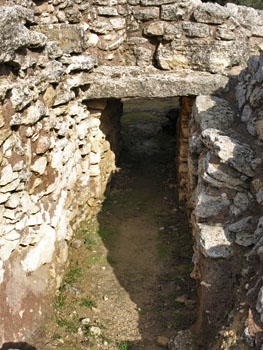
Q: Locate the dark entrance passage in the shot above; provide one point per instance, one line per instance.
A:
(150, 249)
(129, 284)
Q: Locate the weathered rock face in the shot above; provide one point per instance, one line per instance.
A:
(64, 67)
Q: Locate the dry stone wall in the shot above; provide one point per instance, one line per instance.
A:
(222, 182)
(64, 66)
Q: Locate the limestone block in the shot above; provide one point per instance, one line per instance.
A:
(21, 96)
(243, 200)
(242, 231)
(64, 94)
(85, 149)
(34, 113)
(53, 72)
(230, 151)
(13, 34)
(43, 252)
(13, 201)
(214, 240)
(7, 175)
(211, 13)
(5, 85)
(12, 236)
(53, 49)
(107, 11)
(73, 15)
(4, 197)
(207, 205)
(143, 56)
(245, 16)
(49, 96)
(147, 14)
(94, 158)
(118, 23)
(178, 11)
(224, 33)
(101, 27)
(28, 205)
(36, 219)
(43, 144)
(118, 82)
(36, 40)
(11, 214)
(212, 56)
(81, 62)
(73, 39)
(213, 112)
(82, 129)
(217, 177)
(94, 170)
(25, 62)
(6, 248)
(112, 42)
(39, 166)
(155, 29)
(196, 30)
(246, 113)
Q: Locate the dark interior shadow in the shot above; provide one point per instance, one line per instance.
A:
(17, 346)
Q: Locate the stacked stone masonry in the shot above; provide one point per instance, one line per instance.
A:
(65, 65)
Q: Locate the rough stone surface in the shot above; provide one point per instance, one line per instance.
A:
(134, 82)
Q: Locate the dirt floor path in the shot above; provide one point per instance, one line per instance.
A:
(128, 282)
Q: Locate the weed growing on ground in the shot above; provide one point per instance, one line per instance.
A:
(88, 303)
(60, 301)
(73, 275)
(70, 326)
(90, 241)
(123, 345)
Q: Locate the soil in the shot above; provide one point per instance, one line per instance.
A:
(128, 282)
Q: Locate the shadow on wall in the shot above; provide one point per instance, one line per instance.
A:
(17, 346)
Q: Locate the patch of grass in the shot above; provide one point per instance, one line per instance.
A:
(60, 301)
(90, 242)
(123, 345)
(73, 275)
(92, 260)
(88, 303)
(70, 326)
(56, 336)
